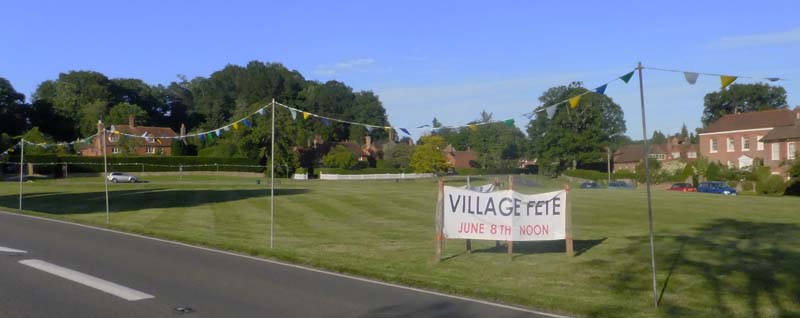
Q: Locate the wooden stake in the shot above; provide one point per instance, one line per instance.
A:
(568, 221)
(439, 221)
(469, 242)
(510, 242)
(497, 186)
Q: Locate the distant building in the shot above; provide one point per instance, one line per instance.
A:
(460, 159)
(628, 156)
(156, 141)
(736, 140)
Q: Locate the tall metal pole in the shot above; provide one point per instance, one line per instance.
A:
(21, 167)
(272, 182)
(105, 175)
(647, 178)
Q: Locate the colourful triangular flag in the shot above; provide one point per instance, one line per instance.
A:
(726, 80)
(627, 77)
(387, 129)
(601, 90)
(210, 136)
(306, 115)
(226, 128)
(294, 113)
(405, 131)
(201, 137)
(235, 126)
(423, 126)
(369, 129)
(509, 122)
(247, 122)
(218, 132)
(472, 127)
(773, 79)
(691, 77)
(551, 111)
(325, 121)
(158, 140)
(573, 102)
(262, 111)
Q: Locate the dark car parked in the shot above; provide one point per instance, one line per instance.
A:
(591, 185)
(619, 185)
(718, 187)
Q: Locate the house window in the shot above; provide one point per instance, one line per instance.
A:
(760, 144)
(151, 150)
(113, 138)
(776, 152)
(745, 144)
(658, 156)
(745, 161)
(791, 150)
(115, 150)
(691, 155)
(713, 145)
(676, 155)
(731, 145)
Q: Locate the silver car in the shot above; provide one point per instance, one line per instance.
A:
(115, 177)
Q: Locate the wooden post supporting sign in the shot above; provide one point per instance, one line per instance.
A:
(568, 221)
(510, 242)
(439, 219)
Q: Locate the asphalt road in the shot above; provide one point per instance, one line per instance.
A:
(211, 283)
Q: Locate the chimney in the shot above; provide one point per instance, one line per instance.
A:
(368, 140)
(183, 130)
(131, 120)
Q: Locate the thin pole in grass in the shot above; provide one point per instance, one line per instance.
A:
(272, 182)
(510, 242)
(647, 178)
(105, 175)
(21, 162)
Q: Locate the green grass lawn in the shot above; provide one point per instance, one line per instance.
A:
(716, 255)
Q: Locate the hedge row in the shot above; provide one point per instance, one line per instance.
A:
(362, 171)
(140, 163)
(478, 171)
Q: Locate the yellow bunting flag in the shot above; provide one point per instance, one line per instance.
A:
(388, 129)
(116, 132)
(158, 140)
(573, 102)
(473, 127)
(306, 115)
(235, 126)
(726, 80)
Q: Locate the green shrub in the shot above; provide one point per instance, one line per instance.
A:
(747, 186)
(773, 185)
(151, 163)
(793, 188)
(362, 171)
(624, 174)
(586, 174)
(479, 171)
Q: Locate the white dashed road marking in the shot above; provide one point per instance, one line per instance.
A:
(91, 281)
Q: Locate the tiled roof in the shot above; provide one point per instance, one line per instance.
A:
(753, 120)
(783, 133)
(154, 132)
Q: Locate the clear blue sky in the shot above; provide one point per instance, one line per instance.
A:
(424, 58)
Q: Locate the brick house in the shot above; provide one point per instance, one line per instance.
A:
(675, 150)
(460, 159)
(157, 141)
(736, 140)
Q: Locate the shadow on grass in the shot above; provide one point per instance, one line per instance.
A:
(743, 268)
(131, 200)
(527, 248)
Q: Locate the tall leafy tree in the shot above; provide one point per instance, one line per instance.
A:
(118, 115)
(13, 119)
(80, 98)
(742, 98)
(658, 138)
(428, 156)
(574, 135)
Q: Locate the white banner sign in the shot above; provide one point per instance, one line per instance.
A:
(504, 215)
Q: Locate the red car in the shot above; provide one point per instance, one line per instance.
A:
(683, 187)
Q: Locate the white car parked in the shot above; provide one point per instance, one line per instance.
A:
(115, 177)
